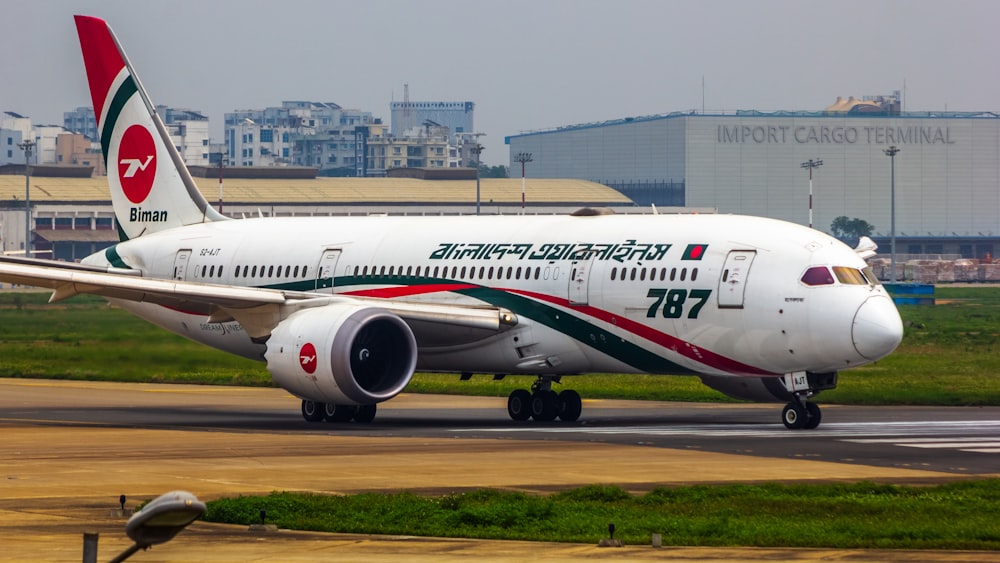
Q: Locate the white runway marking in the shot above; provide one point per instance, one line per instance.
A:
(985, 431)
(967, 444)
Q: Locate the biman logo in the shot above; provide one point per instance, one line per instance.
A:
(307, 358)
(136, 163)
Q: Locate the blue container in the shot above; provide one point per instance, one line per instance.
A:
(911, 293)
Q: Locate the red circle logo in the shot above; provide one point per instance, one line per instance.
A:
(307, 358)
(136, 163)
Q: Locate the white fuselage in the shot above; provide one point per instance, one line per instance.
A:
(708, 294)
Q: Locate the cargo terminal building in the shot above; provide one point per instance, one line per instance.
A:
(947, 169)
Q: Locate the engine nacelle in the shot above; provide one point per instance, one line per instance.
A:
(765, 389)
(343, 354)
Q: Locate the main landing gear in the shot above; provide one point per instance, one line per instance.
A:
(314, 411)
(544, 404)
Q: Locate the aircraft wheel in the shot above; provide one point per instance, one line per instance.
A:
(544, 405)
(794, 416)
(815, 416)
(312, 411)
(570, 405)
(365, 413)
(339, 413)
(519, 404)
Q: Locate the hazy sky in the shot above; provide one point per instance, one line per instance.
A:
(527, 65)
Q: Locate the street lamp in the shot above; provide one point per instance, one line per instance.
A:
(522, 157)
(26, 146)
(891, 153)
(158, 522)
(810, 165)
(477, 149)
(222, 160)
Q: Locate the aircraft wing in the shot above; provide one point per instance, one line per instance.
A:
(259, 310)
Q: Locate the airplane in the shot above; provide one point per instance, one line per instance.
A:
(344, 310)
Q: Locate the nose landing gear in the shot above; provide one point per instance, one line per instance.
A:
(801, 413)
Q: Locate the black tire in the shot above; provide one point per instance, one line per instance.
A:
(815, 416)
(339, 413)
(365, 413)
(312, 411)
(544, 406)
(519, 404)
(570, 405)
(794, 416)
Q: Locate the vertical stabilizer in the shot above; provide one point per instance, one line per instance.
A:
(151, 189)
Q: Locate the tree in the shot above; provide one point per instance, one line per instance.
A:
(849, 231)
(498, 171)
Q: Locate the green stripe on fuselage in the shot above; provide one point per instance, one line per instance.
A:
(570, 324)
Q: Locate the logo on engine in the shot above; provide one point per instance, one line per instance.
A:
(307, 358)
(136, 163)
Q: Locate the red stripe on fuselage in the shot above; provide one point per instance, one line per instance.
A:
(668, 341)
(407, 290)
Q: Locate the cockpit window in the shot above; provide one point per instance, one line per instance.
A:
(849, 276)
(817, 275)
(870, 276)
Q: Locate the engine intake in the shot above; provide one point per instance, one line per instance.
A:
(342, 354)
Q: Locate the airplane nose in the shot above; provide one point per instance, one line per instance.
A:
(877, 328)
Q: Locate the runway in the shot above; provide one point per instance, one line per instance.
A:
(70, 448)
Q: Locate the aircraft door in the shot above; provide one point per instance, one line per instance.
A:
(579, 281)
(327, 268)
(732, 283)
(180, 264)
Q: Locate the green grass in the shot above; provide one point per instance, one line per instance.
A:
(950, 355)
(851, 516)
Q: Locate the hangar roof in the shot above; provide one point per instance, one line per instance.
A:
(337, 190)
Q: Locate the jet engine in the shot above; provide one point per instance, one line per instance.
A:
(765, 389)
(345, 354)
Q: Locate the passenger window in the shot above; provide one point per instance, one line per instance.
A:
(817, 275)
(220, 271)
(673, 274)
(270, 271)
(694, 274)
(684, 272)
(614, 272)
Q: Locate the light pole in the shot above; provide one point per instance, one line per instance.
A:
(477, 149)
(891, 153)
(810, 165)
(26, 146)
(157, 522)
(522, 157)
(222, 159)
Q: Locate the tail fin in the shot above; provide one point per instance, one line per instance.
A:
(151, 189)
